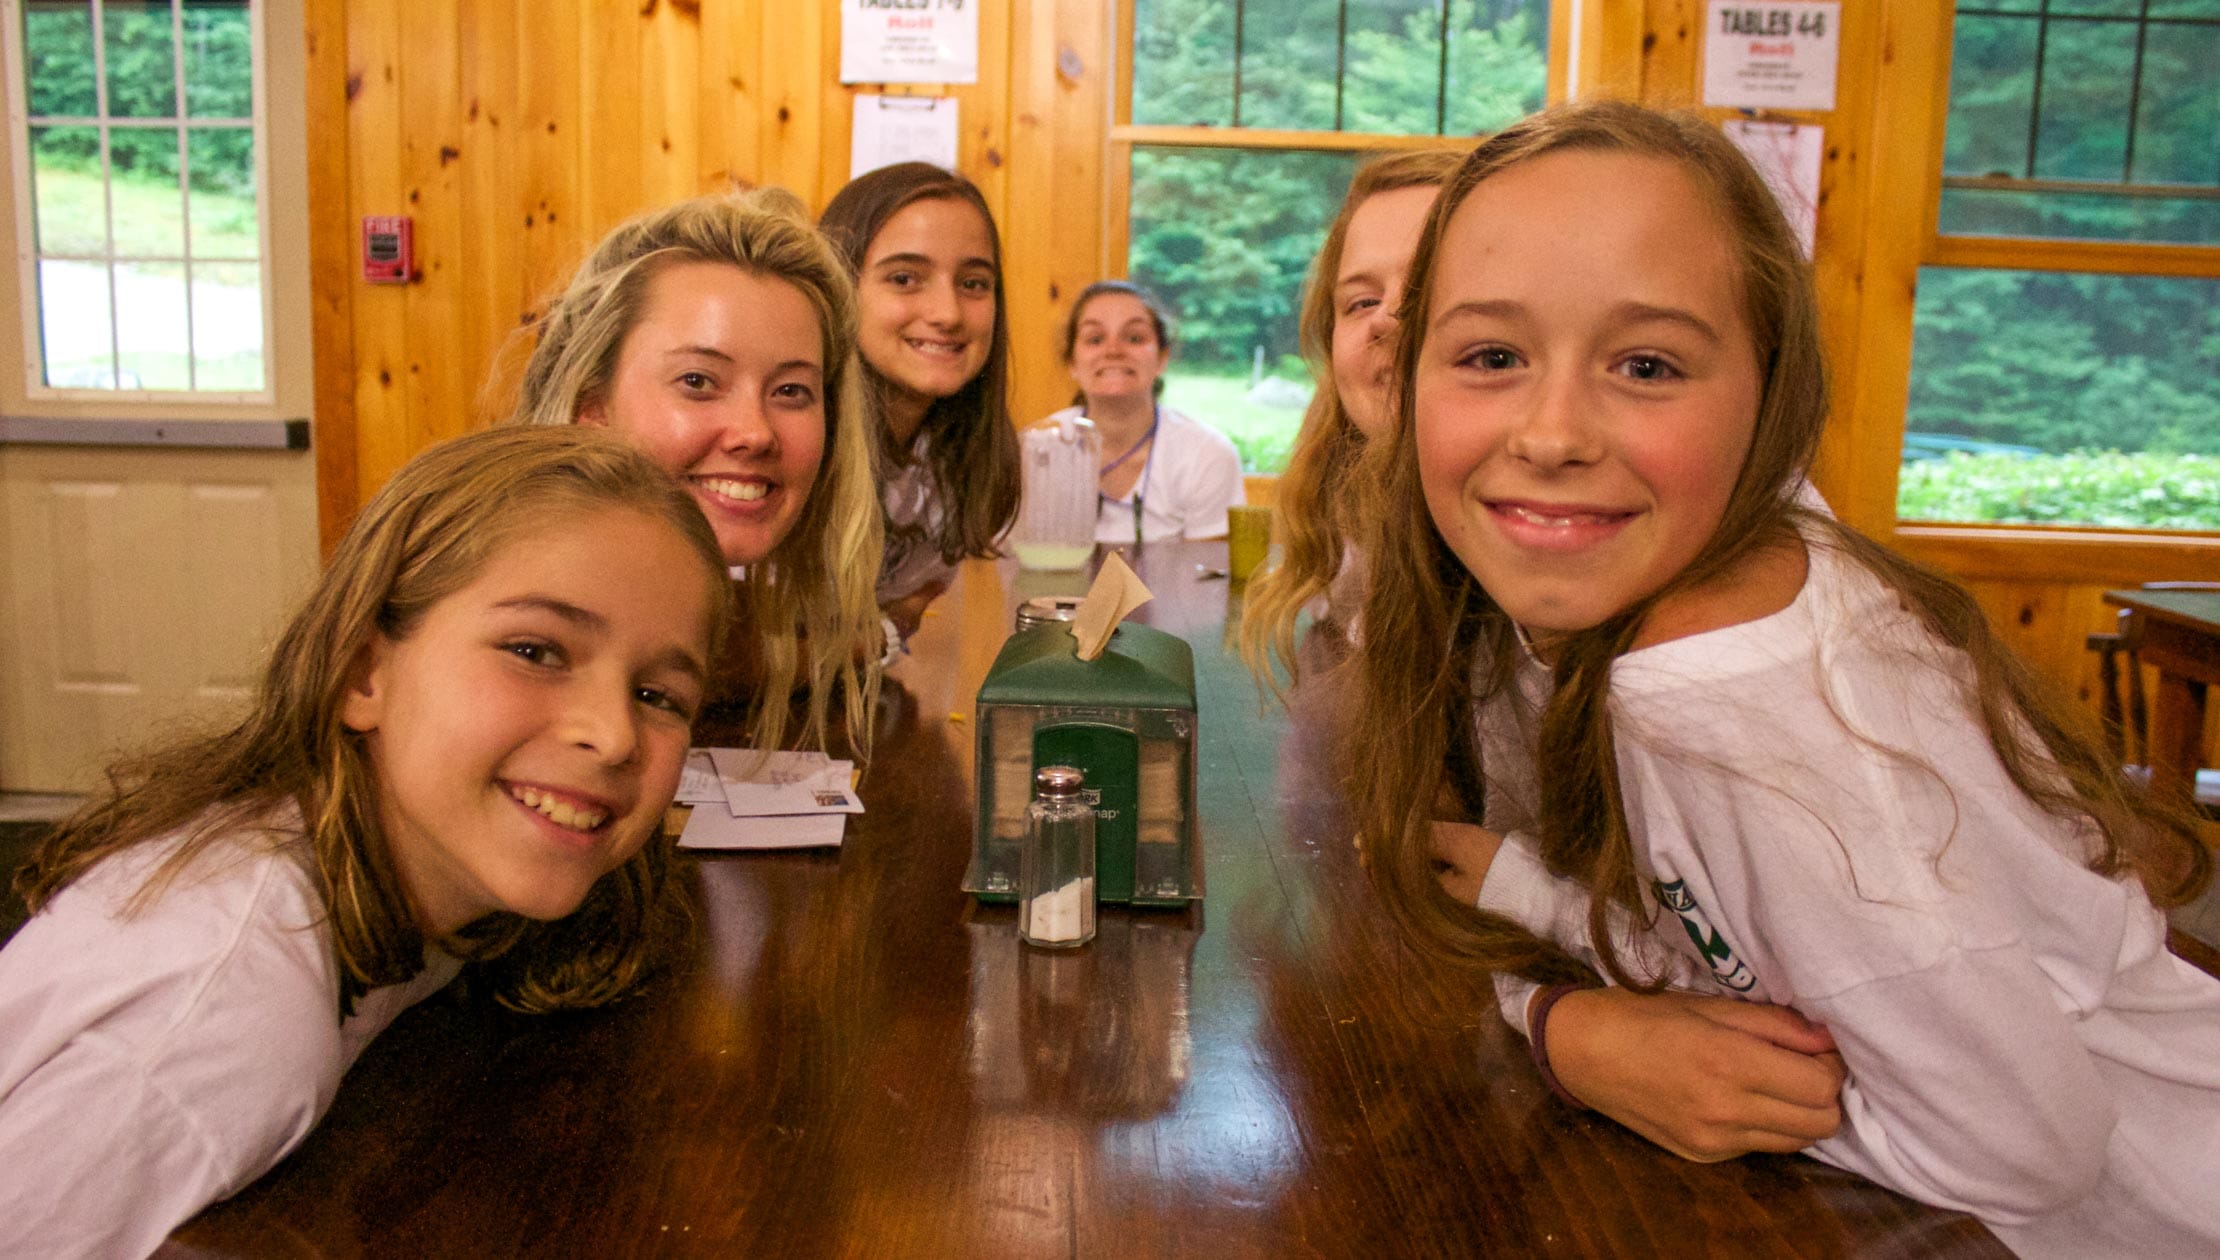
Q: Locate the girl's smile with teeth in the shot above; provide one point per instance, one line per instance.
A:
(733, 488)
(562, 811)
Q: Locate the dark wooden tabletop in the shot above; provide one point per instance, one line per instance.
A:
(857, 1061)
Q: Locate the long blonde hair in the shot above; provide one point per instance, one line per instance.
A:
(813, 596)
(1310, 515)
(1431, 630)
(427, 534)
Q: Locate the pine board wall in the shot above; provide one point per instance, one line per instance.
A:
(517, 131)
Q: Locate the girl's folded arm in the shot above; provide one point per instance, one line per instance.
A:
(106, 1180)
(1968, 1088)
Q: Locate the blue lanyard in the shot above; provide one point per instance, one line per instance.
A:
(1148, 439)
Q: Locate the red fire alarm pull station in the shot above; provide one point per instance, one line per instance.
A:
(388, 248)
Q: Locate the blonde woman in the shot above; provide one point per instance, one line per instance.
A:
(718, 335)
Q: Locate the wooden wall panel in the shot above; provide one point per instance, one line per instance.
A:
(518, 131)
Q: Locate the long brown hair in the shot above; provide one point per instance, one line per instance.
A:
(427, 534)
(971, 454)
(1433, 638)
(811, 603)
(1309, 516)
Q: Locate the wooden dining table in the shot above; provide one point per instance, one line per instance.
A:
(2178, 635)
(853, 1059)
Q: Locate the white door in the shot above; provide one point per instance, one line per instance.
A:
(155, 527)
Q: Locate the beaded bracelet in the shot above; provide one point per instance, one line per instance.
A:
(1537, 1025)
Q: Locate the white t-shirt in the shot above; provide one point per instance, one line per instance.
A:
(1189, 476)
(1812, 797)
(152, 1063)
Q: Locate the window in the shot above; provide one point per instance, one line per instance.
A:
(1238, 130)
(2066, 337)
(138, 151)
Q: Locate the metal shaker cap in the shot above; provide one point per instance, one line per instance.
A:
(1059, 782)
(1042, 609)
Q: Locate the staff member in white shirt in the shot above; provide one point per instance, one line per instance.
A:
(1164, 475)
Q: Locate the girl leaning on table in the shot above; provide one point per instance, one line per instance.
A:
(1730, 744)
(933, 333)
(460, 751)
(717, 335)
(1706, 1077)
(1163, 475)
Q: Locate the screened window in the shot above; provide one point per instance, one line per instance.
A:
(1244, 121)
(2066, 337)
(140, 166)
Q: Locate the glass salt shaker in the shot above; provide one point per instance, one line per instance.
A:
(1056, 868)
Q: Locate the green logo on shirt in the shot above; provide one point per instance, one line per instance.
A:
(1717, 953)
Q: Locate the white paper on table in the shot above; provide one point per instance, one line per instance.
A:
(1787, 155)
(890, 129)
(698, 783)
(784, 783)
(909, 41)
(713, 828)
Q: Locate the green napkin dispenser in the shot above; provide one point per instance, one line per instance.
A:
(1127, 720)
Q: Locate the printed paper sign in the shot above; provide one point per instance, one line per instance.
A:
(1772, 56)
(909, 41)
(890, 129)
(1788, 156)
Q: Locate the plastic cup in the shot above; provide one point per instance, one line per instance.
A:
(1248, 537)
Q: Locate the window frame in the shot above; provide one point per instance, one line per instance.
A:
(1912, 101)
(1124, 135)
(32, 386)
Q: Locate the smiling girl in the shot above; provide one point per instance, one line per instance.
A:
(1731, 745)
(715, 335)
(1163, 474)
(461, 749)
(927, 262)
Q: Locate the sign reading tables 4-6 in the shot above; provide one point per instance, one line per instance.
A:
(909, 41)
(1771, 56)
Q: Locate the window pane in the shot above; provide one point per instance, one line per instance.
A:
(2088, 78)
(1387, 53)
(1992, 95)
(2185, 8)
(219, 60)
(227, 326)
(1394, 67)
(1183, 63)
(1227, 236)
(1498, 63)
(2080, 216)
(2098, 8)
(70, 214)
(73, 318)
(1288, 63)
(2179, 116)
(2058, 397)
(222, 194)
(150, 324)
(142, 70)
(58, 58)
(149, 205)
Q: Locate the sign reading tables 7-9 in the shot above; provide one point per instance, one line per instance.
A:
(1772, 56)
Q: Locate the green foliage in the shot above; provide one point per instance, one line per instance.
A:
(142, 84)
(2106, 488)
(1228, 235)
(2067, 362)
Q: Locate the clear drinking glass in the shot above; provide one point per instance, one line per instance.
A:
(1056, 865)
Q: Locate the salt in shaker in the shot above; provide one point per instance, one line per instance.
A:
(1056, 866)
